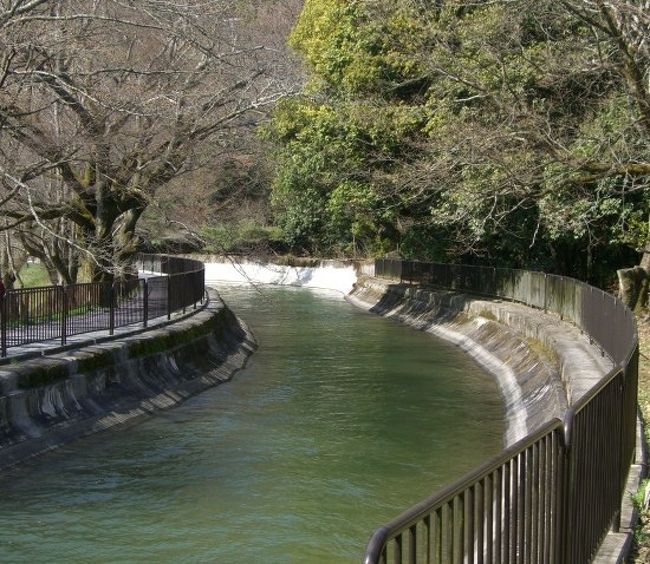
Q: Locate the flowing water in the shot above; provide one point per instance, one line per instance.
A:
(339, 422)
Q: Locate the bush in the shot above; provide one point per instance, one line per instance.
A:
(244, 237)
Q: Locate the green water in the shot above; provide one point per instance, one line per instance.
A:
(339, 422)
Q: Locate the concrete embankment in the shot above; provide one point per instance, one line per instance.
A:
(540, 363)
(49, 401)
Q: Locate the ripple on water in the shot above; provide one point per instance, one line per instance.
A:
(339, 422)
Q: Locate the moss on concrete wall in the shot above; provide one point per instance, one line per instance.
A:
(48, 401)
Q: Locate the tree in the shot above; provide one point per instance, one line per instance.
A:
(515, 128)
(221, 203)
(108, 102)
(333, 139)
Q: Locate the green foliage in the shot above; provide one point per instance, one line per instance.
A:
(322, 195)
(355, 46)
(240, 238)
(610, 210)
(453, 130)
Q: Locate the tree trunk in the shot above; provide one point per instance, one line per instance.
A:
(633, 287)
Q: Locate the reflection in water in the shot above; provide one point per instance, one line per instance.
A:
(339, 422)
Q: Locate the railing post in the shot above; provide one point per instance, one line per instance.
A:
(3, 324)
(111, 309)
(169, 297)
(64, 314)
(145, 302)
(568, 486)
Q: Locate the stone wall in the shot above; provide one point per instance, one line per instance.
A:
(49, 401)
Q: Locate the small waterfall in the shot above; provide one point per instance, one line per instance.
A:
(328, 275)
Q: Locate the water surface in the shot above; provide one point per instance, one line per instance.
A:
(340, 421)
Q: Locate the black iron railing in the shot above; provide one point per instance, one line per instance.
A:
(33, 315)
(554, 495)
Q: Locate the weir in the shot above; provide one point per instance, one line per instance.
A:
(329, 275)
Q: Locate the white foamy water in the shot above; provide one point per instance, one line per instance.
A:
(336, 276)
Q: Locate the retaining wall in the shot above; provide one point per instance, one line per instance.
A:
(540, 363)
(49, 401)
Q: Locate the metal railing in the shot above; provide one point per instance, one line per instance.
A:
(554, 495)
(33, 315)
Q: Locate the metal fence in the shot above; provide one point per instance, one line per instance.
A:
(32, 315)
(554, 495)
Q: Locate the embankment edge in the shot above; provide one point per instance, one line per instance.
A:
(50, 401)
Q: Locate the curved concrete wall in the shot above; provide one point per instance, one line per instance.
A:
(50, 401)
(540, 363)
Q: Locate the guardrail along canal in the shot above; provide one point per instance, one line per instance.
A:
(340, 421)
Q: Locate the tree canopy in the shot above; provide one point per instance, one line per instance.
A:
(512, 130)
(509, 131)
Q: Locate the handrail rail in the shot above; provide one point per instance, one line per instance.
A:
(524, 500)
(533, 288)
(33, 315)
(422, 508)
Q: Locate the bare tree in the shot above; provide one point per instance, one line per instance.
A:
(109, 101)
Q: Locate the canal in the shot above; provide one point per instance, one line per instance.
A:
(339, 422)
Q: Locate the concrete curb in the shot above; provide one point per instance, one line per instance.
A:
(617, 546)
